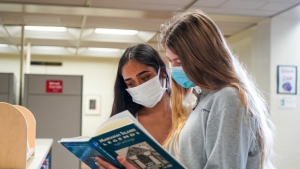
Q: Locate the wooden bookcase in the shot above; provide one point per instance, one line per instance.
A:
(17, 133)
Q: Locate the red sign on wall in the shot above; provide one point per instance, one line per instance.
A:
(54, 86)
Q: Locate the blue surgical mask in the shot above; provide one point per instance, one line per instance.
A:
(180, 77)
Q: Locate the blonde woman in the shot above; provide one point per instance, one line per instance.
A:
(231, 126)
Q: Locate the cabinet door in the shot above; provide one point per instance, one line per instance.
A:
(57, 117)
(4, 98)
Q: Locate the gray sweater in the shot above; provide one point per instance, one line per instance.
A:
(218, 134)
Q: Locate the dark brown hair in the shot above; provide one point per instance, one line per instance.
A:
(143, 54)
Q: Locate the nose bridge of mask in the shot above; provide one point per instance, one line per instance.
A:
(180, 77)
(148, 93)
(178, 72)
(177, 69)
(146, 84)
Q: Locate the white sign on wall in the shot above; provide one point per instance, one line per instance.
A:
(287, 102)
(286, 79)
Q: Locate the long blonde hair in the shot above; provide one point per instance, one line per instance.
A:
(210, 64)
(179, 118)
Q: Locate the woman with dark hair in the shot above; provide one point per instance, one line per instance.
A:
(142, 87)
(139, 64)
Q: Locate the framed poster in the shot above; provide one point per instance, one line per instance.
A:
(287, 79)
(92, 105)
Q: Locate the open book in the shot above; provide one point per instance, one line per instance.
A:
(122, 135)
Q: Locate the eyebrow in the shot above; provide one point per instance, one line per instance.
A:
(139, 74)
(172, 59)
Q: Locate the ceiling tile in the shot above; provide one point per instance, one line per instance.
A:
(243, 12)
(210, 3)
(123, 23)
(2, 31)
(277, 6)
(5, 40)
(105, 44)
(52, 42)
(48, 2)
(151, 5)
(55, 50)
(292, 1)
(41, 19)
(12, 18)
(243, 4)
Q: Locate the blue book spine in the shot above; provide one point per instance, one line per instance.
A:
(84, 152)
(106, 154)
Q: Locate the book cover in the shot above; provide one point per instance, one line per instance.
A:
(84, 152)
(122, 135)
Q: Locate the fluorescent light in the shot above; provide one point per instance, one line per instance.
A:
(46, 28)
(104, 49)
(3, 45)
(116, 31)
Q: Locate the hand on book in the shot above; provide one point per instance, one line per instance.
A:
(122, 135)
(102, 164)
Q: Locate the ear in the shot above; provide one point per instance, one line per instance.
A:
(163, 73)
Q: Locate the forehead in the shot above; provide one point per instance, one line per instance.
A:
(170, 54)
(133, 67)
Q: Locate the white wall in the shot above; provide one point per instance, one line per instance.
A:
(285, 50)
(11, 64)
(262, 48)
(252, 47)
(98, 79)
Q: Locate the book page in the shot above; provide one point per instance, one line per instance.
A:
(121, 115)
(117, 123)
(125, 114)
(113, 118)
(75, 139)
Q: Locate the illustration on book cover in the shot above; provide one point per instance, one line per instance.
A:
(143, 156)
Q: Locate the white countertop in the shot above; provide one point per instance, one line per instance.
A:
(42, 148)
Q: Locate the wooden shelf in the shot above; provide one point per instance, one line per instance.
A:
(19, 147)
(42, 149)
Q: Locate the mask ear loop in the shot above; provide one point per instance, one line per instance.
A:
(158, 74)
(165, 79)
(165, 82)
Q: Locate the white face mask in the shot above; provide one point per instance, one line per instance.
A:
(149, 93)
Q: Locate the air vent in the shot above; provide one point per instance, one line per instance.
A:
(39, 63)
